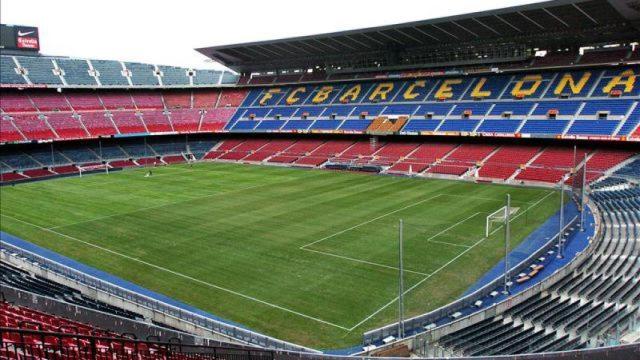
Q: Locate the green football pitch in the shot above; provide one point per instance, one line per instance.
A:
(308, 256)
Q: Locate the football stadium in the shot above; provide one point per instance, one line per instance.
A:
(456, 187)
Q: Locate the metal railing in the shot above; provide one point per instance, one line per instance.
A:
(34, 344)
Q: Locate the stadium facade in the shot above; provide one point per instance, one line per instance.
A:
(541, 95)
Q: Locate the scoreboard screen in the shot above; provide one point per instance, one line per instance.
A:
(15, 37)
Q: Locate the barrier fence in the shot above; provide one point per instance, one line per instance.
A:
(243, 335)
(34, 345)
(25, 344)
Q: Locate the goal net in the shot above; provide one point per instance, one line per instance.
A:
(498, 218)
(93, 168)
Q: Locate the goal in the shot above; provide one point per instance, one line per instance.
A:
(498, 218)
(93, 168)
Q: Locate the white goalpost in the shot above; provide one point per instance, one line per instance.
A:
(93, 168)
(498, 217)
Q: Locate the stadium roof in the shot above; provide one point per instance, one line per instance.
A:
(546, 25)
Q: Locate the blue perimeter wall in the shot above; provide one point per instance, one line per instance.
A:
(574, 244)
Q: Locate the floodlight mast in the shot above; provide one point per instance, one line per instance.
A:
(401, 284)
(561, 233)
(507, 236)
(583, 193)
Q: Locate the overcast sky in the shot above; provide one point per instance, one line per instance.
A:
(166, 32)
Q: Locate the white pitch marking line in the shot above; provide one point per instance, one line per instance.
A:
(365, 262)
(179, 274)
(370, 221)
(445, 265)
(418, 283)
(163, 205)
(448, 243)
(451, 227)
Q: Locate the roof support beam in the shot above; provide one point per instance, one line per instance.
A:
(487, 26)
(555, 17)
(243, 53)
(508, 23)
(299, 48)
(253, 50)
(465, 29)
(372, 39)
(283, 49)
(391, 38)
(403, 33)
(445, 31)
(585, 14)
(531, 20)
(425, 33)
(356, 41)
(269, 50)
(342, 43)
(307, 43)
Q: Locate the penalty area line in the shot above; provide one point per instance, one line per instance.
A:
(447, 264)
(364, 262)
(187, 277)
(418, 283)
(370, 221)
(449, 228)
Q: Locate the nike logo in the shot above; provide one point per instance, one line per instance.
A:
(20, 33)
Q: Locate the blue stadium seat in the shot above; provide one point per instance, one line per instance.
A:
(418, 125)
(206, 77)
(325, 125)
(228, 78)
(517, 108)
(79, 156)
(110, 72)
(499, 126)
(631, 123)
(172, 75)
(76, 71)
(297, 125)
(576, 76)
(372, 110)
(544, 127)
(477, 109)
(284, 112)
(8, 71)
(614, 107)
(245, 125)
(142, 74)
(266, 125)
(436, 109)
(355, 125)
(401, 109)
(493, 84)
(340, 110)
(19, 160)
(459, 125)
(593, 127)
(40, 70)
(563, 107)
(312, 111)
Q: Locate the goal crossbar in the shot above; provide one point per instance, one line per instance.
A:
(498, 216)
(92, 168)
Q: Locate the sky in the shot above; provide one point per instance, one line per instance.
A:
(167, 32)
